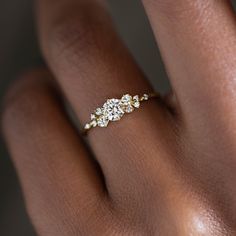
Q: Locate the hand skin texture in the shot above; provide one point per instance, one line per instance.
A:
(168, 169)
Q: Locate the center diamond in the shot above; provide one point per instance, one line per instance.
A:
(113, 110)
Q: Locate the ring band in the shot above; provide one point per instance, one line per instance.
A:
(114, 109)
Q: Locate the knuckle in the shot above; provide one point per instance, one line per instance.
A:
(22, 100)
(73, 34)
(71, 37)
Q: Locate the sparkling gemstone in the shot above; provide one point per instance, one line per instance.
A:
(113, 110)
(136, 98)
(129, 109)
(145, 96)
(93, 123)
(87, 126)
(136, 104)
(93, 116)
(99, 111)
(102, 121)
(126, 103)
(126, 99)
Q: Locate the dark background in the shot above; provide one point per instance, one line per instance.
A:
(19, 51)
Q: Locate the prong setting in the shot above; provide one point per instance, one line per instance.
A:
(114, 109)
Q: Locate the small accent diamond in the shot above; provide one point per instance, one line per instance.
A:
(136, 102)
(126, 103)
(136, 98)
(87, 126)
(126, 99)
(93, 117)
(129, 109)
(102, 121)
(145, 96)
(93, 123)
(99, 111)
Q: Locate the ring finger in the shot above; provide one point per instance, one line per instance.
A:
(91, 65)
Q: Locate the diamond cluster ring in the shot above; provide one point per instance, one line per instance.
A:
(114, 109)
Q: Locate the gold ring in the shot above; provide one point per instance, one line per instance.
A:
(114, 109)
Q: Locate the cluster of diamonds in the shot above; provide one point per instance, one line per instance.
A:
(114, 109)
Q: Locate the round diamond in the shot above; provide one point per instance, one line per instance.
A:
(93, 123)
(136, 98)
(102, 121)
(126, 103)
(99, 111)
(129, 109)
(136, 102)
(93, 117)
(87, 126)
(145, 96)
(126, 99)
(113, 109)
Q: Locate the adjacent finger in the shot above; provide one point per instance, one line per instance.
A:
(197, 40)
(57, 174)
(91, 64)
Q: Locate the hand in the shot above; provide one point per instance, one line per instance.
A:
(167, 169)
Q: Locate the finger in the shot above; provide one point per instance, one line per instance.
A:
(56, 172)
(92, 65)
(85, 53)
(197, 40)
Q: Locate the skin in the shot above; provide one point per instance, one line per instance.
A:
(167, 169)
